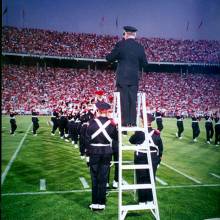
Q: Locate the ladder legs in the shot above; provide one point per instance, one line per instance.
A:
(123, 209)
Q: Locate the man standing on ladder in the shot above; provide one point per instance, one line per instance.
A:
(131, 59)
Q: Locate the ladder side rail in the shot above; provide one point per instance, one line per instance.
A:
(138, 109)
(137, 124)
(149, 156)
(120, 214)
(114, 105)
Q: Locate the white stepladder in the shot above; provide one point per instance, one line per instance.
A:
(122, 186)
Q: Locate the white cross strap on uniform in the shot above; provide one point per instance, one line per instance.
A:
(102, 129)
(145, 148)
(151, 143)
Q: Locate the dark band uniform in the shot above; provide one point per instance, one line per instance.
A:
(195, 127)
(55, 121)
(140, 157)
(179, 124)
(13, 123)
(71, 129)
(217, 130)
(85, 118)
(63, 125)
(100, 133)
(35, 121)
(131, 58)
(115, 155)
(159, 120)
(209, 128)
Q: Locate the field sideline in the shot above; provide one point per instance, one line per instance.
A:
(43, 177)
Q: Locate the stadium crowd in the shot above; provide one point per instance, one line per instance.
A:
(53, 43)
(25, 88)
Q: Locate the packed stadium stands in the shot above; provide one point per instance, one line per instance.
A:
(53, 43)
(28, 87)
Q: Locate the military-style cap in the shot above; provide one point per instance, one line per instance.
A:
(150, 118)
(137, 138)
(102, 106)
(130, 29)
(12, 114)
(34, 113)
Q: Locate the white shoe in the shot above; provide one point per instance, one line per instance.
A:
(76, 146)
(176, 134)
(107, 185)
(61, 137)
(101, 206)
(115, 184)
(34, 134)
(52, 134)
(180, 138)
(195, 140)
(67, 140)
(73, 142)
(94, 206)
(210, 139)
(66, 135)
(208, 142)
(82, 157)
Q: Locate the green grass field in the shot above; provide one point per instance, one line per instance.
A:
(192, 191)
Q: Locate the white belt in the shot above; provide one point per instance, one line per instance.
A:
(158, 117)
(100, 145)
(144, 151)
(179, 119)
(195, 121)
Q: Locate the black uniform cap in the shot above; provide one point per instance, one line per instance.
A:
(102, 106)
(34, 113)
(150, 118)
(12, 114)
(130, 29)
(137, 138)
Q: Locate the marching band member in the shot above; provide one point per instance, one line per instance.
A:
(140, 157)
(100, 133)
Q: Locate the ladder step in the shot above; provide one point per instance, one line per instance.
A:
(133, 147)
(136, 186)
(135, 166)
(138, 207)
(132, 129)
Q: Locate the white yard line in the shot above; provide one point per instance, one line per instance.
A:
(161, 181)
(215, 175)
(111, 191)
(42, 184)
(212, 219)
(180, 172)
(84, 182)
(14, 156)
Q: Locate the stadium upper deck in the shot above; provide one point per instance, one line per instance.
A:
(53, 43)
